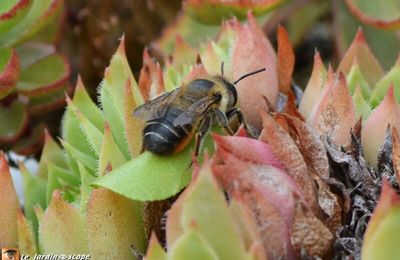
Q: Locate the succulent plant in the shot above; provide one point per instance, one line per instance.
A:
(304, 178)
(33, 75)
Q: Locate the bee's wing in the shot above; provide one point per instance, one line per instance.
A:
(157, 107)
(195, 111)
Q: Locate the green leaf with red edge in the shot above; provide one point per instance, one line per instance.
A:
(10, 206)
(116, 218)
(44, 76)
(49, 101)
(381, 14)
(32, 52)
(62, 229)
(380, 238)
(30, 143)
(383, 43)
(38, 15)
(9, 71)
(382, 86)
(11, 12)
(214, 11)
(16, 111)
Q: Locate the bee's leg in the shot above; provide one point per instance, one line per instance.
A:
(223, 121)
(204, 128)
(236, 111)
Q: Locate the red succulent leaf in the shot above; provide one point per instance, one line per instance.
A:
(251, 40)
(198, 71)
(374, 129)
(285, 149)
(285, 60)
(247, 149)
(360, 51)
(151, 82)
(334, 114)
(9, 72)
(268, 192)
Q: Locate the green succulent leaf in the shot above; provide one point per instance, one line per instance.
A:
(62, 229)
(11, 12)
(361, 106)
(382, 14)
(213, 12)
(149, 177)
(13, 129)
(38, 15)
(212, 219)
(51, 153)
(26, 238)
(56, 178)
(86, 188)
(109, 153)
(9, 71)
(113, 221)
(39, 105)
(355, 78)
(383, 43)
(155, 251)
(44, 76)
(192, 245)
(78, 156)
(34, 194)
(382, 86)
(383, 244)
(192, 31)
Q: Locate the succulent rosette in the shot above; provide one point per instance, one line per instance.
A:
(301, 189)
(33, 75)
(333, 102)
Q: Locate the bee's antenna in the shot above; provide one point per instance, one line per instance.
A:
(248, 74)
(222, 68)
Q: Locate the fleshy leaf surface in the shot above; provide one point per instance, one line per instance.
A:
(113, 221)
(385, 15)
(62, 229)
(10, 206)
(9, 71)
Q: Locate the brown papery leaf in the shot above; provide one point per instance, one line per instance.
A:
(314, 155)
(285, 149)
(291, 108)
(285, 60)
(309, 233)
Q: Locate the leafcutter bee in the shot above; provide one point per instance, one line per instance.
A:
(173, 118)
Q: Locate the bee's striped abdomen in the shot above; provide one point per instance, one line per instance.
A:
(161, 137)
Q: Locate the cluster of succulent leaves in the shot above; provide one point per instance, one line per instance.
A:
(304, 180)
(33, 75)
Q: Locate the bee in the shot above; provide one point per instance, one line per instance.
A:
(173, 118)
